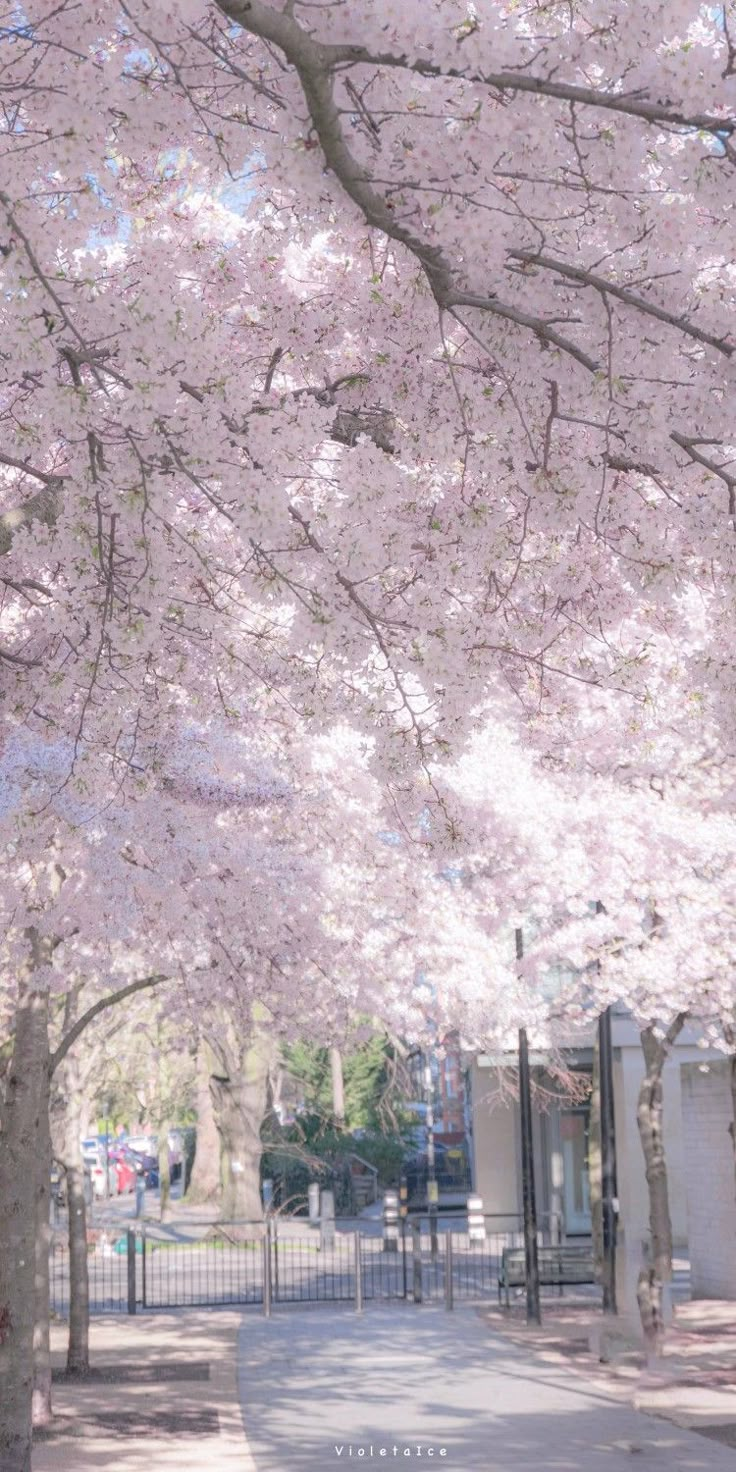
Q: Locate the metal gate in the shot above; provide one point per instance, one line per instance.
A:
(285, 1263)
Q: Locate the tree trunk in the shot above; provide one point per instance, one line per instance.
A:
(732, 1129)
(77, 1358)
(338, 1087)
(164, 1172)
(24, 1109)
(205, 1181)
(239, 1097)
(658, 1270)
(41, 1413)
(595, 1166)
(70, 1116)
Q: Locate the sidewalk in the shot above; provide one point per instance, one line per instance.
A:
(695, 1387)
(314, 1384)
(163, 1394)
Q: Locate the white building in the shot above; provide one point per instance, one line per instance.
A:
(710, 1179)
(561, 1138)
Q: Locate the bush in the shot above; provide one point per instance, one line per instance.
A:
(312, 1150)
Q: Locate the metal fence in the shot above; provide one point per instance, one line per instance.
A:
(288, 1263)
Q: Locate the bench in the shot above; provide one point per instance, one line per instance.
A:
(559, 1267)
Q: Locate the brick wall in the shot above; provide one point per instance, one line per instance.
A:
(709, 1175)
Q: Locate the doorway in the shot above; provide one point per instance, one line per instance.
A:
(574, 1132)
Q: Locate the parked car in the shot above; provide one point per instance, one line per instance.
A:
(104, 1179)
(142, 1144)
(147, 1166)
(147, 1146)
(125, 1169)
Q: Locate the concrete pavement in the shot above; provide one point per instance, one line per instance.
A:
(163, 1395)
(321, 1379)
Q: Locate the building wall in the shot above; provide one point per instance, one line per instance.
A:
(496, 1138)
(707, 1112)
(632, 1185)
(495, 1146)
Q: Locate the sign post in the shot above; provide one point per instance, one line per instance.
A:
(533, 1313)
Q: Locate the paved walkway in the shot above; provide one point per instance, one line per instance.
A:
(162, 1398)
(694, 1384)
(321, 1379)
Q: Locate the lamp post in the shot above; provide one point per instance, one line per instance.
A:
(533, 1313)
(609, 1193)
(432, 1192)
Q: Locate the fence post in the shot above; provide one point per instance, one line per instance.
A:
(449, 1302)
(131, 1271)
(267, 1271)
(358, 1273)
(416, 1261)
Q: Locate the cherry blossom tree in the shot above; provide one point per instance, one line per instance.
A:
(394, 397)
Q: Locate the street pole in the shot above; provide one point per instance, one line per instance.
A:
(432, 1193)
(107, 1156)
(609, 1192)
(533, 1313)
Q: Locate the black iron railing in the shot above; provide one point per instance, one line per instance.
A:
(284, 1261)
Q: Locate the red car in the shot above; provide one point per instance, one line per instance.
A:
(124, 1170)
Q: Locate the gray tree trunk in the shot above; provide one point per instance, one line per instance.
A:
(338, 1086)
(732, 1062)
(164, 1171)
(205, 1182)
(69, 1118)
(41, 1412)
(24, 1109)
(658, 1270)
(239, 1086)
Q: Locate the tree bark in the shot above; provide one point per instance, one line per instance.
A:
(70, 1117)
(732, 1130)
(41, 1411)
(338, 1086)
(164, 1171)
(205, 1183)
(239, 1086)
(658, 1270)
(24, 1108)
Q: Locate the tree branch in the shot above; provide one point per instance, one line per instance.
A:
(141, 984)
(622, 294)
(44, 506)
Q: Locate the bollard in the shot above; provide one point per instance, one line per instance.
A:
(449, 1298)
(267, 1273)
(140, 1195)
(358, 1264)
(416, 1262)
(327, 1220)
(313, 1199)
(390, 1221)
(131, 1270)
(476, 1224)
